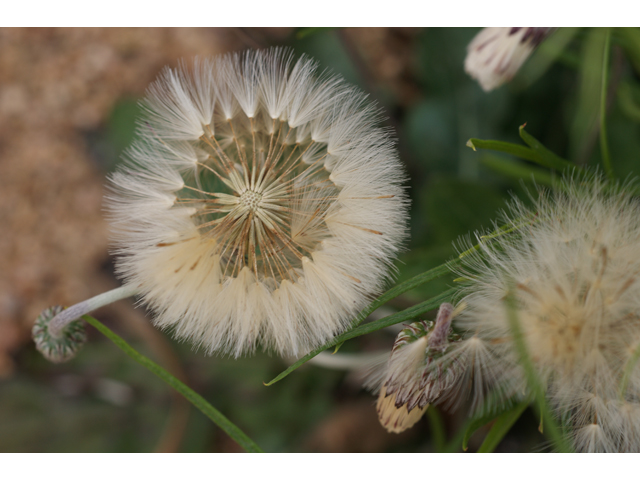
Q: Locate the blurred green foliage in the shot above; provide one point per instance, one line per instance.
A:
(454, 190)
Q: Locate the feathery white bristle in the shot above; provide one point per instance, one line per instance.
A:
(225, 213)
(573, 268)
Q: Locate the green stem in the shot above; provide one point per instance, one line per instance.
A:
(533, 381)
(198, 401)
(437, 429)
(403, 316)
(398, 290)
(501, 427)
(519, 151)
(405, 286)
(604, 146)
(628, 370)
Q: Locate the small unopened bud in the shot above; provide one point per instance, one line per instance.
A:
(418, 372)
(61, 348)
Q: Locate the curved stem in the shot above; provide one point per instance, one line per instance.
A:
(196, 400)
(76, 311)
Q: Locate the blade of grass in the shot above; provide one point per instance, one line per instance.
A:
(494, 405)
(436, 425)
(546, 156)
(399, 289)
(629, 39)
(628, 370)
(519, 151)
(403, 316)
(551, 50)
(501, 427)
(517, 170)
(604, 146)
(551, 427)
(627, 102)
(198, 401)
(583, 132)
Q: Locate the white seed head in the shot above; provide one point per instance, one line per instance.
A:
(234, 220)
(573, 270)
(496, 54)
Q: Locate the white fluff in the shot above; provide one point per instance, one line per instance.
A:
(261, 206)
(573, 268)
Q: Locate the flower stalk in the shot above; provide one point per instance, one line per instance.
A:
(68, 315)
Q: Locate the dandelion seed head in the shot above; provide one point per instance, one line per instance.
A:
(261, 204)
(573, 269)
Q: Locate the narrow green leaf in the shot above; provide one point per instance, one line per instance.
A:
(551, 427)
(494, 405)
(399, 289)
(454, 445)
(629, 38)
(403, 316)
(518, 170)
(604, 145)
(627, 101)
(628, 370)
(551, 50)
(519, 151)
(438, 433)
(546, 157)
(584, 123)
(198, 401)
(501, 427)
(472, 427)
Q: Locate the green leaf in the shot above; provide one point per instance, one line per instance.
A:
(519, 151)
(583, 131)
(535, 152)
(403, 316)
(628, 370)
(629, 38)
(604, 144)
(533, 381)
(198, 401)
(551, 50)
(399, 290)
(494, 405)
(545, 156)
(628, 101)
(438, 432)
(501, 427)
(517, 170)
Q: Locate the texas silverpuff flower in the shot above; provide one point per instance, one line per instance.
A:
(573, 271)
(496, 54)
(261, 204)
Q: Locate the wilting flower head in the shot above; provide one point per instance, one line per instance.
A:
(497, 53)
(262, 203)
(573, 269)
(415, 375)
